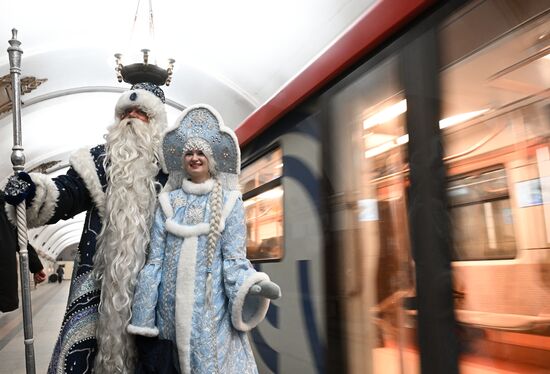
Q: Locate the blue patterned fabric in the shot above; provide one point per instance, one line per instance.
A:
(170, 295)
(76, 345)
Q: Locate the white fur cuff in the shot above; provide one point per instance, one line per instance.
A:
(239, 302)
(43, 205)
(143, 331)
(10, 213)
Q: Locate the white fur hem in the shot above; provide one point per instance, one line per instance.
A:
(185, 231)
(43, 205)
(143, 331)
(197, 188)
(83, 163)
(237, 309)
(185, 299)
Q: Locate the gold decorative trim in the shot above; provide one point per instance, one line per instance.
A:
(28, 84)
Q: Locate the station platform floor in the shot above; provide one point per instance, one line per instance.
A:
(48, 304)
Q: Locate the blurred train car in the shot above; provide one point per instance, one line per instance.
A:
(398, 190)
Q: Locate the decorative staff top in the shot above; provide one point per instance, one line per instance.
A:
(15, 52)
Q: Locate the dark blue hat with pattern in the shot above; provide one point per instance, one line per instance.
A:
(151, 87)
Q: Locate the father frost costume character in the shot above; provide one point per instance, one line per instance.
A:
(196, 288)
(116, 184)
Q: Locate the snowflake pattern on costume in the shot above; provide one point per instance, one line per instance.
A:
(179, 202)
(161, 299)
(194, 215)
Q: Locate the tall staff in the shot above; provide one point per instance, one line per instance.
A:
(18, 162)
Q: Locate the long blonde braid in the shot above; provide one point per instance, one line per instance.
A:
(212, 240)
(213, 235)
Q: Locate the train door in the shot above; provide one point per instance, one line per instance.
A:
(285, 239)
(389, 224)
(437, 159)
(367, 176)
(496, 130)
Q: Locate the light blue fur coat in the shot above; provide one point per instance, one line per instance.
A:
(169, 301)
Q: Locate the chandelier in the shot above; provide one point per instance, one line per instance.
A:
(147, 70)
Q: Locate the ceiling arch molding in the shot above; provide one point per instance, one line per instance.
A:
(86, 89)
(59, 230)
(45, 233)
(62, 242)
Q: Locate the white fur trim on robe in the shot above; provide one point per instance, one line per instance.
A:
(228, 207)
(185, 300)
(164, 201)
(83, 163)
(197, 188)
(185, 231)
(143, 331)
(42, 206)
(239, 304)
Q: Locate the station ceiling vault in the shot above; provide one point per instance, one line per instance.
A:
(233, 55)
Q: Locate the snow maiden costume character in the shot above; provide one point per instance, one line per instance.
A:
(197, 288)
(116, 184)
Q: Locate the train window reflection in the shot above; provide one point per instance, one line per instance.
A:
(263, 204)
(481, 217)
(368, 174)
(498, 69)
(263, 170)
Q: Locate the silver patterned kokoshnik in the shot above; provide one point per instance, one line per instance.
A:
(200, 122)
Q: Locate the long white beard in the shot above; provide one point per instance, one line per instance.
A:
(131, 167)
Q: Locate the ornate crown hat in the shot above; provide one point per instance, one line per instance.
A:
(202, 124)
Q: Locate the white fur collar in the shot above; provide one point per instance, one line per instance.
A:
(197, 188)
(202, 228)
(83, 163)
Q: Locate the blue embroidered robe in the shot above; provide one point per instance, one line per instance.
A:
(169, 301)
(81, 189)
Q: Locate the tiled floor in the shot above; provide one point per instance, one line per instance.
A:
(48, 304)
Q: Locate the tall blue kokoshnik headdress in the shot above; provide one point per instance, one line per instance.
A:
(200, 124)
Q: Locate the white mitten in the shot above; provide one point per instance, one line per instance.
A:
(266, 289)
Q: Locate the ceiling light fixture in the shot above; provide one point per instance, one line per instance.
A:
(385, 115)
(459, 118)
(403, 139)
(148, 70)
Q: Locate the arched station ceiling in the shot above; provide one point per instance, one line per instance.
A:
(233, 55)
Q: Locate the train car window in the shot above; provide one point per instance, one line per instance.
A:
(263, 204)
(481, 217)
(368, 172)
(496, 111)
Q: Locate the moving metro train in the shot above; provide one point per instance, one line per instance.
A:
(398, 190)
